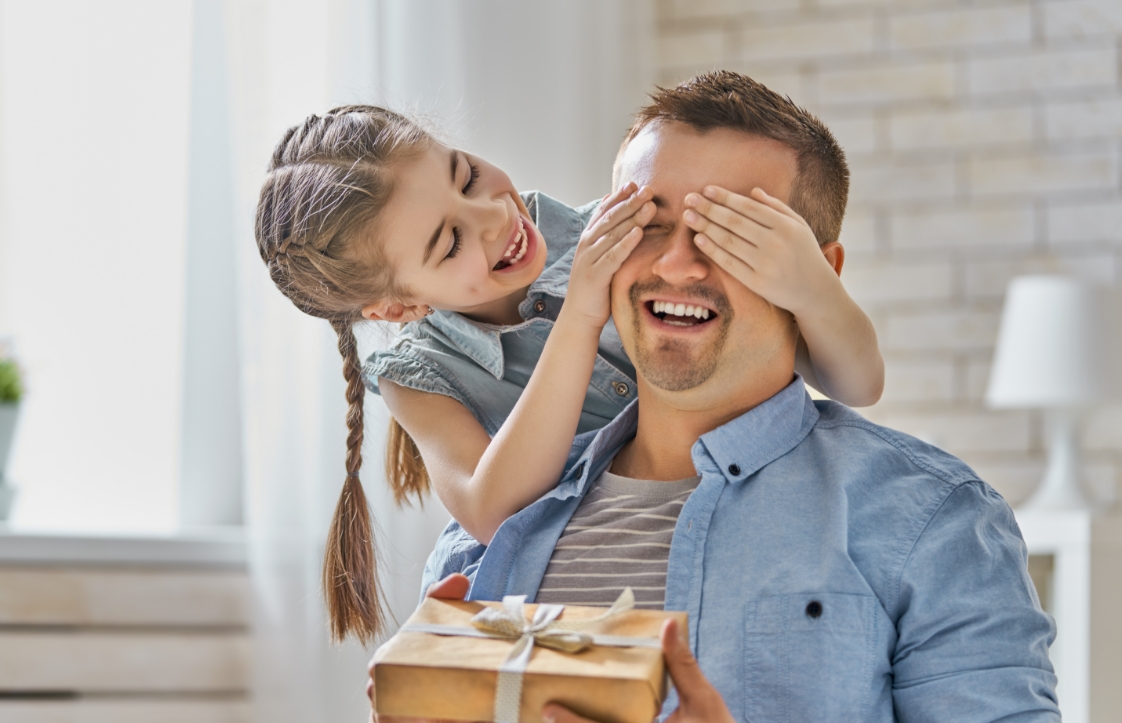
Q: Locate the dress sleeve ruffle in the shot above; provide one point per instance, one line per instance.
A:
(410, 371)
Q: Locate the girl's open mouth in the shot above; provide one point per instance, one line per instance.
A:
(520, 249)
(676, 314)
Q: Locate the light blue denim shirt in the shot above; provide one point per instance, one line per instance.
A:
(832, 569)
(485, 367)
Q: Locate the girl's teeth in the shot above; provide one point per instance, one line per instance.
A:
(519, 243)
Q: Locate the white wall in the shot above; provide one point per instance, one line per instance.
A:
(94, 114)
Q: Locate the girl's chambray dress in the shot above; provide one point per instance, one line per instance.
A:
(485, 367)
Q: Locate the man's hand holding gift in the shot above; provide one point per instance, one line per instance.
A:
(698, 700)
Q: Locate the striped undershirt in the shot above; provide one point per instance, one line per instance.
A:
(618, 537)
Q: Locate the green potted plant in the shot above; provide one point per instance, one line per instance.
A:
(11, 390)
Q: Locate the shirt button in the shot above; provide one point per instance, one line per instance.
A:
(813, 609)
(539, 306)
(734, 469)
(621, 388)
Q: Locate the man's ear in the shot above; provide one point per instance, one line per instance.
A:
(835, 254)
(394, 311)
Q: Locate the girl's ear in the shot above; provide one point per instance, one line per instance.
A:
(393, 311)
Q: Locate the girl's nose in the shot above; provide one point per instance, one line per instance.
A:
(495, 217)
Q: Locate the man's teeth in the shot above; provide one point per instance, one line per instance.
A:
(519, 243)
(665, 307)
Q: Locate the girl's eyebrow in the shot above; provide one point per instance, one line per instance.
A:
(455, 163)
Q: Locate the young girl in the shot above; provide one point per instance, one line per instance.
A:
(506, 350)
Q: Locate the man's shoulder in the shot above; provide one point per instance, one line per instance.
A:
(878, 445)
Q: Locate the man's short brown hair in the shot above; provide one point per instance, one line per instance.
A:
(723, 99)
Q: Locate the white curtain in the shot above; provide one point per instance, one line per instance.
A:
(544, 90)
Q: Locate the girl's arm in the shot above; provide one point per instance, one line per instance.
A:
(772, 250)
(482, 482)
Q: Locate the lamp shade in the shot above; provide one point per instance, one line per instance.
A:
(1051, 350)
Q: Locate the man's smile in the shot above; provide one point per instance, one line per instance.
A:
(691, 310)
(679, 313)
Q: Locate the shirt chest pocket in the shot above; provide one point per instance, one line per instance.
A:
(809, 657)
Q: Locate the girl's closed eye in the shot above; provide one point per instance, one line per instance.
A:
(456, 243)
(473, 176)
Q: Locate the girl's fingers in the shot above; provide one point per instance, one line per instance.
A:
(767, 199)
(738, 267)
(612, 200)
(641, 217)
(737, 213)
(614, 257)
(741, 244)
(618, 214)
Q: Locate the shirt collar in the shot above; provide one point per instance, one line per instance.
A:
(737, 449)
(761, 435)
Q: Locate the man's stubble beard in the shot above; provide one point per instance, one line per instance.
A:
(676, 365)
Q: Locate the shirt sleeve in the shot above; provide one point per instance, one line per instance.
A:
(455, 551)
(972, 640)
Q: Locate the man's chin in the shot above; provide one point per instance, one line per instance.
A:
(674, 368)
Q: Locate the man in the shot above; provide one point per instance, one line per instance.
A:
(832, 569)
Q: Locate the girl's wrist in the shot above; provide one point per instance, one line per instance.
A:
(824, 301)
(578, 323)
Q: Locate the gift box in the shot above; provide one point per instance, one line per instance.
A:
(485, 661)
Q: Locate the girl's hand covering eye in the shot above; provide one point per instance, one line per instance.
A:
(765, 245)
(612, 234)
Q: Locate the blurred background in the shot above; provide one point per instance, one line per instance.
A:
(178, 441)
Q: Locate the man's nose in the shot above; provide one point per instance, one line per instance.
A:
(680, 260)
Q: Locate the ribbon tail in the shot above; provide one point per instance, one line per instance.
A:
(508, 690)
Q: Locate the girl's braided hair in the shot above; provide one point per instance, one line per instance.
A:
(328, 179)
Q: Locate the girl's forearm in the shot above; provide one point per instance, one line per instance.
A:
(845, 358)
(528, 453)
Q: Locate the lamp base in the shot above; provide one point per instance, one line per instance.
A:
(1061, 489)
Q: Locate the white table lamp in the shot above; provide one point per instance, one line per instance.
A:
(1052, 354)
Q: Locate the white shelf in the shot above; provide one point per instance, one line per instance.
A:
(1086, 549)
(217, 547)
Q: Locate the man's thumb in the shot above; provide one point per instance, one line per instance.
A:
(680, 663)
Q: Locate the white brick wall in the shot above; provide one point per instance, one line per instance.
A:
(976, 27)
(984, 141)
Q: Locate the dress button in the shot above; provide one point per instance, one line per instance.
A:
(621, 388)
(539, 306)
(813, 609)
(734, 469)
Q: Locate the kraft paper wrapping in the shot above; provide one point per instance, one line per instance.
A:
(438, 676)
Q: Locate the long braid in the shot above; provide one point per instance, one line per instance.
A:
(329, 178)
(350, 564)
